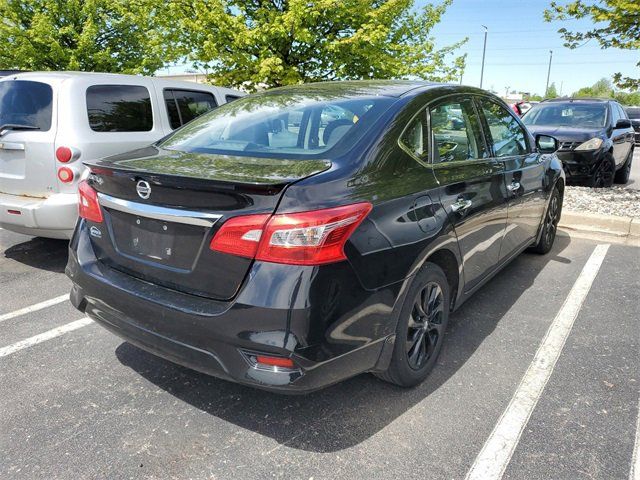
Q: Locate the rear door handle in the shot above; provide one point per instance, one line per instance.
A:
(461, 205)
(11, 146)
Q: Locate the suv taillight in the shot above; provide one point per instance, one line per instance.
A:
(88, 206)
(306, 238)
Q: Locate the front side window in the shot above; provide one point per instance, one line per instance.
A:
(455, 131)
(287, 125)
(119, 108)
(27, 104)
(185, 105)
(507, 136)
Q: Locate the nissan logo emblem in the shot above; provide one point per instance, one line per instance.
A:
(144, 189)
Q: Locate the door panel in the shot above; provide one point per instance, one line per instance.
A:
(471, 188)
(524, 174)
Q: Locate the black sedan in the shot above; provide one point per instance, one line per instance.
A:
(300, 236)
(596, 138)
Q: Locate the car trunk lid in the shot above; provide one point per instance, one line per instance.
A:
(163, 207)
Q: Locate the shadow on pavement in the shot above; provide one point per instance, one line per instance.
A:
(348, 413)
(43, 253)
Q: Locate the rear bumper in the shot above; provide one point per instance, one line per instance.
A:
(217, 338)
(53, 217)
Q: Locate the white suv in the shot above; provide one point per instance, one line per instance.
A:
(50, 122)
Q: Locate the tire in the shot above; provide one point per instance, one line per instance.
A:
(622, 175)
(421, 328)
(604, 172)
(549, 224)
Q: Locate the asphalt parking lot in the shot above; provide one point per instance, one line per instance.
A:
(77, 402)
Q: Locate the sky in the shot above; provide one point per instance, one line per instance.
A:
(518, 44)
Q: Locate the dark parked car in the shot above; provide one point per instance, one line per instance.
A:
(634, 115)
(303, 235)
(596, 138)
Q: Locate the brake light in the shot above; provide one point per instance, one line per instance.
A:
(65, 175)
(306, 238)
(64, 154)
(88, 206)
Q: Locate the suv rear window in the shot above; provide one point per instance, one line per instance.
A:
(185, 105)
(119, 108)
(27, 103)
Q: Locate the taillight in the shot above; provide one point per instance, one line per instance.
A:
(88, 206)
(306, 238)
(65, 175)
(64, 154)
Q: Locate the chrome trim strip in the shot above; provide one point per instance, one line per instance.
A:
(177, 215)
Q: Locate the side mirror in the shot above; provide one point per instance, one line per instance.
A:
(623, 123)
(546, 144)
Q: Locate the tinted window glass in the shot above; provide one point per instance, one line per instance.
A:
(507, 136)
(26, 103)
(277, 124)
(633, 113)
(231, 98)
(621, 112)
(185, 105)
(567, 114)
(413, 138)
(119, 108)
(455, 130)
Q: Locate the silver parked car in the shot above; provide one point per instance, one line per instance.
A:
(51, 122)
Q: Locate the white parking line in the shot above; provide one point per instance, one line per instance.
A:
(634, 473)
(499, 447)
(43, 337)
(35, 307)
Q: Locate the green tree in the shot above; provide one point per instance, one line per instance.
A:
(88, 35)
(281, 42)
(601, 89)
(552, 91)
(616, 25)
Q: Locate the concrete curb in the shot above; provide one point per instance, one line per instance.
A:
(625, 227)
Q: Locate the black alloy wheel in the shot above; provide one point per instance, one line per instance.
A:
(604, 173)
(421, 328)
(550, 223)
(425, 325)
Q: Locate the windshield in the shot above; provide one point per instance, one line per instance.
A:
(285, 125)
(633, 113)
(25, 103)
(568, 114)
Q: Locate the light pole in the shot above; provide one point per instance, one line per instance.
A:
(484, 49)
(546, 90)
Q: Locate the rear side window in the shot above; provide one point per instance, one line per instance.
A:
(231, 98)
(185, 105)
(508, 137)
(26, 103)
(119, 108)
(456, 132)
(414, 139)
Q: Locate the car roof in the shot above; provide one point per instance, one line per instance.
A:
(578, 100)
(387, 88)
(98, 77)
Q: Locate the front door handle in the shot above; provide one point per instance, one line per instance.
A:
(461, 205)
(513, 187)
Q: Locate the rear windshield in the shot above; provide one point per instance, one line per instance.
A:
(283, 125)
(26, 103)
(633, 113)
(568, 114)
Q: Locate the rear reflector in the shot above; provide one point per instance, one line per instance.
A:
(306, 238)
(65, 175)
(14, 212)
(274, 361)
(88, 206)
